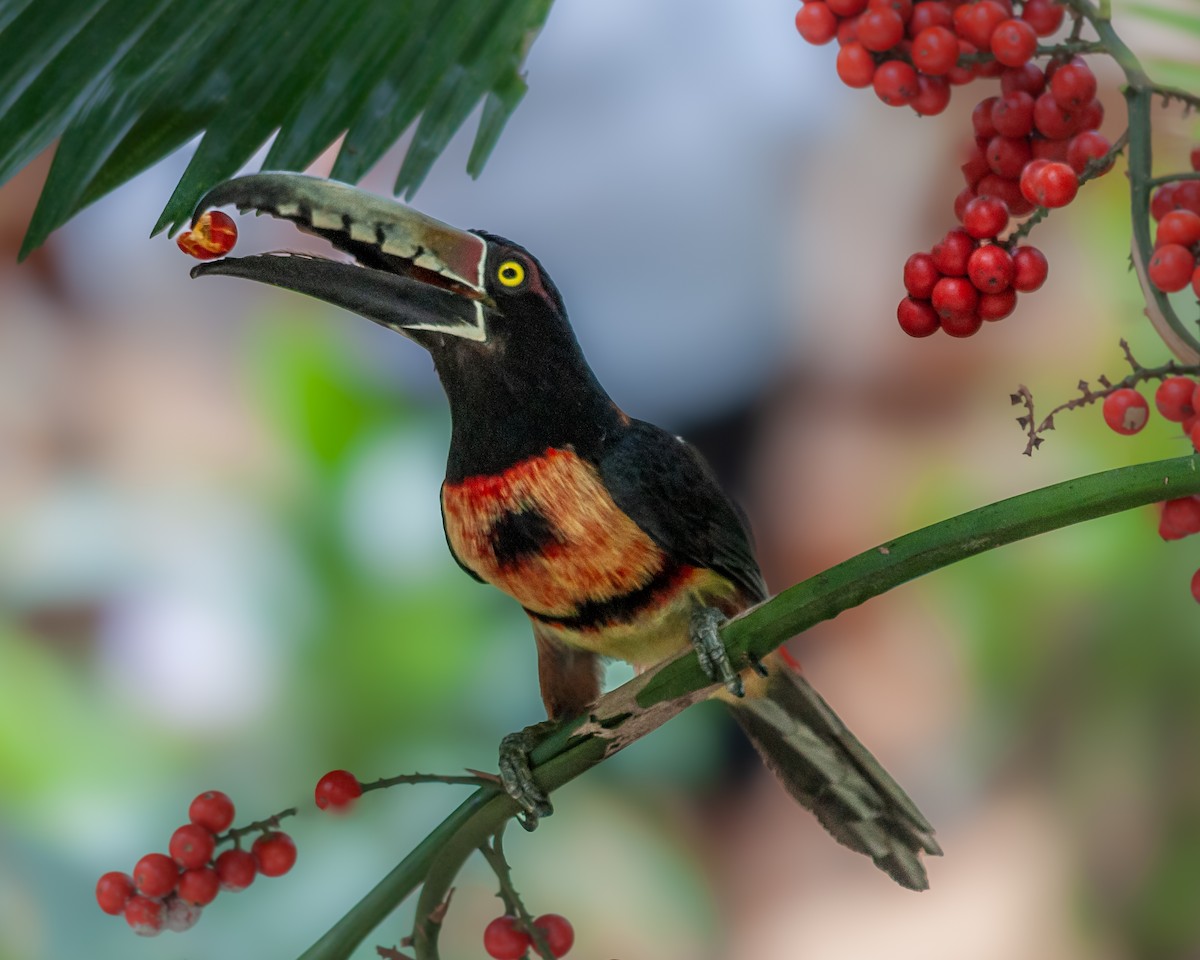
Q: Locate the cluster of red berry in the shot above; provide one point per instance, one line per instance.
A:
(1177, 399)
(913, 53)
(504, 939)
(1176, 207)
(169, 892)
(1032, 142)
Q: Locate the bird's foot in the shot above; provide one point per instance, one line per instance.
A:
(704, 632)
(517, 776)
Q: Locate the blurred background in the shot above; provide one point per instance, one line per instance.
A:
(222, 566)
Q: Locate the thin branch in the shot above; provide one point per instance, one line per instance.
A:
(1088, 395)
(493, 853)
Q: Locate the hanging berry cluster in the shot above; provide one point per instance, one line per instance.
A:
(1034, 142)
(169, 891)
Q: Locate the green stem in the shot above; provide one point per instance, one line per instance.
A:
(562, 757)
(1139, 95)
(853, 582)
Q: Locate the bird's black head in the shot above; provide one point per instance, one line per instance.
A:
(482, 305)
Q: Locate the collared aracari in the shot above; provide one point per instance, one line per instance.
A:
(611, 533)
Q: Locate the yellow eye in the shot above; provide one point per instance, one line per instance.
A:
(511, 273)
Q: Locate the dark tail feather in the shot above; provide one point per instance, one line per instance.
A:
(825, 768)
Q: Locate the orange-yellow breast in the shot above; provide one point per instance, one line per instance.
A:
(546, 532)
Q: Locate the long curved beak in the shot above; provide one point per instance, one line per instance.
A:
(410, 272)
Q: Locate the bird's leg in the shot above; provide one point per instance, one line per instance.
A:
(517, 776)
(704, 632)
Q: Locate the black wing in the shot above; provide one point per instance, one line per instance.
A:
(668, 490)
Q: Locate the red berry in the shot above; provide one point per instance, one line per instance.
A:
(1126, 411)
(113, 891)
(1085, 147)
(1196, 585)
(917, 317)
(1027, 78)
(274, 853)
(847, 8)
(1054, 185)
(816, 23)
(950, 254)
(965, 196)
(1073, 85)
(1029, 269)
(1002, 188)
(1028, 179)
(503, 941)
(997, 306)
(181, 915)
(933, 95)
(1179, 518)
(855, 65)
(1173, 398)
(963, 325)
(155, 875)
(1091, 115)
(975, 168)
(1013, 42)
(1163, 200)
(1012, 115)
(1044, 149)
(975, 22)
(338, 790)
(990, 269)
(935, 51)
(557, 930)
(198, 886)
(1045, 16)
(920, 274)
(1007, 156)
(985, 217)
(146, 915)
(931, 13)
(236, 869)
(895, 83)
(880, 29)
(191, 846)
(1187, 195)
(1053, 120)
(1178, 226)
(902, 7)
(981, 118)
(1171, 267)
(213, 235)
(212, 810)
(954, 297)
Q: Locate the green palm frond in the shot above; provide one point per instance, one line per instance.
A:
(122, 83)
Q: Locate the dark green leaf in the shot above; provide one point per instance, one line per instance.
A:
(43, 97)
(125, 82)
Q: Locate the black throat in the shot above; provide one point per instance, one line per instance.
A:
(513, 400)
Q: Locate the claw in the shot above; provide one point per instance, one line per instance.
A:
(517, 776)
(714, 659)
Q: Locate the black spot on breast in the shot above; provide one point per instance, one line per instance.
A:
(516, 536)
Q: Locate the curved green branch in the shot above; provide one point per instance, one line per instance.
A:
(645, 702)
